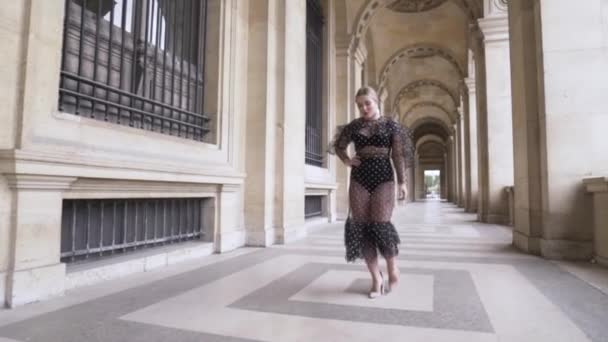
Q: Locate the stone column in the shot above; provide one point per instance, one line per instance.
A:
(444, 178)
(411, 188)
(291, 110)
(419, 179)
(470, 127)
(274, 201)
(461, 160)
(344, 114)
(261, 119)
(451, 171)
(496, 145)
(35, 271)
(598, 188)
(559, 127)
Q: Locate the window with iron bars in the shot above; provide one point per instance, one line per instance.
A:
(139, 63)
(314, 83)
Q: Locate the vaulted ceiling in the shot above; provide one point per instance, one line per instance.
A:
(419, 57)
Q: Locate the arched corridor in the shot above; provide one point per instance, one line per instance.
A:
(461, 281)
(165, 170)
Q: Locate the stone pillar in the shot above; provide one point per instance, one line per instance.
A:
(35, 271)
(444, 178)
(274, 198)
(411, 188)
(451, 171)
(359, 57)
(559, 127)
(419, 179)
(496, 145)
(461, 160)
(345, 93)
(261, 119)
(470, 127)
(291, 110)
(598, 188)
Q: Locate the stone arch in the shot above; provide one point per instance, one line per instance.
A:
(429, 49)
(433, 126)
(371, 8)
(422, 83)
(451, 115)
(436, 115)
(430, 138)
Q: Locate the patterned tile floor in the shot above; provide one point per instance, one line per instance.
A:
(461, 281)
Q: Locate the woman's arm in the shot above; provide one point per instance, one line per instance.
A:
(402, 152)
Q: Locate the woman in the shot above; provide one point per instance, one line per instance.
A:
(377, 140)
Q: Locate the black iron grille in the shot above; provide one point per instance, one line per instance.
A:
(99, 227)
(314, 84)
(139, 63)
(313, 206)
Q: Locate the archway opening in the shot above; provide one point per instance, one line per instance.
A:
(432, 184)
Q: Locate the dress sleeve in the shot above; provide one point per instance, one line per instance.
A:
(340, 142)
(402, 151)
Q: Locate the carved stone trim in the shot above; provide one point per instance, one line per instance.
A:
(426, 82)
(415, 6)
(495, 29)
(38, 182)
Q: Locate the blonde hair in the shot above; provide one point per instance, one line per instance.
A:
(368, 91)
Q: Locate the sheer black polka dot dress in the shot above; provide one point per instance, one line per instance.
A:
(372, 187)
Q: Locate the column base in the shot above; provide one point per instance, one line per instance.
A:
(601, 260)
(554, 249)
(262, 238)
(229, 241)
(35, 284)
(565, 249)
(525, 243)
(495, 219)
(291, 234)
(3, 276)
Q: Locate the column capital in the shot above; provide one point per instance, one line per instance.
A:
(360, 53)
(457, 115)
(495, 29)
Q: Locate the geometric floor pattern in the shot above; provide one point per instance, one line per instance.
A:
(460, 281)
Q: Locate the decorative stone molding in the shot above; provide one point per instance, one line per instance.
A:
(471, 85)
(495, 7)
(495, 29)
(112, 188)
(415, 6)
(360, 53)
(372, 7)
(32, 162)
(38, 182)
(425, 83)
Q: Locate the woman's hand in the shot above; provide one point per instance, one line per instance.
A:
(354, 162)
(402, 192)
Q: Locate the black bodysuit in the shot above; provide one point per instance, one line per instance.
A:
(372, 187)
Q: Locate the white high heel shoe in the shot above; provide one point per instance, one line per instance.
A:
(376, 294)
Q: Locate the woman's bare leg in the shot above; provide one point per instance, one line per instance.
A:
(393, 272)
(360, 202)
(382, 202)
